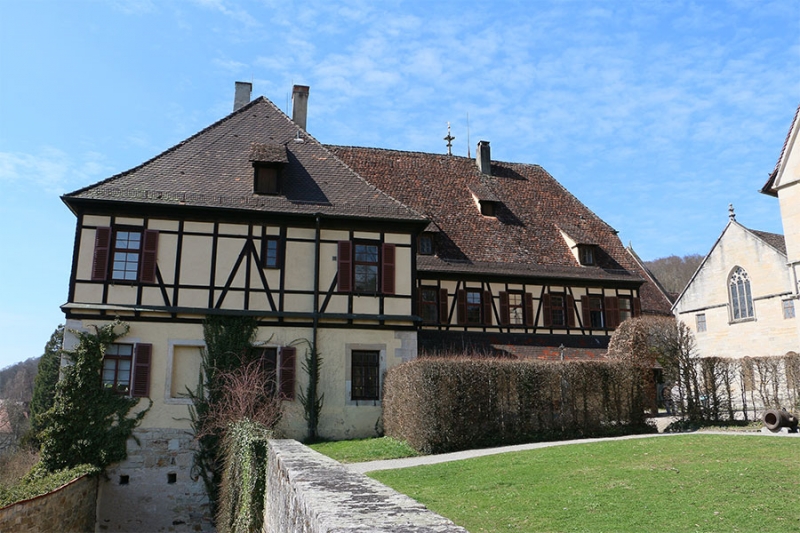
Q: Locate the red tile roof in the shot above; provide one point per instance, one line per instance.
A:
(524, 239)
(214, 168)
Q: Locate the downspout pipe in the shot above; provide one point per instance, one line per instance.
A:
(312, 389)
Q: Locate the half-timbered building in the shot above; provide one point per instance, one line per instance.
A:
(251, 216)
(365, 255)
(511, 263)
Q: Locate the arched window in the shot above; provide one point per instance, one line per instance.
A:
(741, 299)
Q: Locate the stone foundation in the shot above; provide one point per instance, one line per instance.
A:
(310, 493)
(152, 490)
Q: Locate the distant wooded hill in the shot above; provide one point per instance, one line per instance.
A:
(674, 272)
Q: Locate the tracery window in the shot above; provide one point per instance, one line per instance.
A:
(741, 298)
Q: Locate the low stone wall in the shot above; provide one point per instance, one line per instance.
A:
(70, 508)
(310, 493)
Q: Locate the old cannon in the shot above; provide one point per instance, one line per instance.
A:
(775, 420)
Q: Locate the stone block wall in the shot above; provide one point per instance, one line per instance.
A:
(70, 509)
(310, 493)
(153, 490)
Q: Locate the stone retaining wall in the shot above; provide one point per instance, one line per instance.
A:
(70, 509)
(310, 493)
(153, 490)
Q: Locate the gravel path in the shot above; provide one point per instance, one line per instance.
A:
(391, 464)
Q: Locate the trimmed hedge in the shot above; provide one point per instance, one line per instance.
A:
(447, 404)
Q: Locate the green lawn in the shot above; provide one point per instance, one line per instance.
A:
(360, 450)
(684, 483)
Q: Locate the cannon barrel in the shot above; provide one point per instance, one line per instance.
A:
(775, 420)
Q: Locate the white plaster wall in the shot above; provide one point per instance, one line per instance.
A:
(768, 333)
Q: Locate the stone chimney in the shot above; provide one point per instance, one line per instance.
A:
(483, 158)
(300, 105)
(242, 96)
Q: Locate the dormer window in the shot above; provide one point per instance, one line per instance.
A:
(267, 179)
(269, 161)
(485, 199)
(426, 244)
(488, 208)
(586, 254)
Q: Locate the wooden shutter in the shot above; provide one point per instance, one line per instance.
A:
(102, 245)
(547, 311)
(344, 260)
(586, 313)
(443, 307)
(487, 307)
(505, 316)
(529, 318)
(461, 306)
(637, 307)
(388, 268)
(141, 370)
(570, 311)
(612, 312)
(287, 373)
(147, 270)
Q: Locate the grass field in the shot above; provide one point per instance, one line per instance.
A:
(360, 450)
(684, 483)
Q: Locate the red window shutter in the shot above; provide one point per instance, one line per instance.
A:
(637, 307)
(287, 374)
(102, 245)
(147, 273)
(461, 306)
(612, 312)
(586, 314)
(345, 264)
(505, 316)
(443, 307)
(547, 311)
(570, 311)
(388, 268)
(141, 370)
(487, 307)
(529, 309)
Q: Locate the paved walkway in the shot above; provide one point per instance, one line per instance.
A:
(391, 464)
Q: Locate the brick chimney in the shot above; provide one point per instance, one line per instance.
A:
(300, 105)
(483, 157)
(242, 96)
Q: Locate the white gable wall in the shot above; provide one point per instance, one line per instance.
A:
(767, 333)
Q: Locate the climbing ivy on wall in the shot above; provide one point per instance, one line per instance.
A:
(87, 424)
(311, 399)
(228, 347)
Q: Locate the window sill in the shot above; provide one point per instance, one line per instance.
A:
(741, 320)
(364, 403)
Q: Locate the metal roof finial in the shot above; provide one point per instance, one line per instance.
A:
(449, 140)
(731, 214)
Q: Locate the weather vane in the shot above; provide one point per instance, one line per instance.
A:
(449, 140)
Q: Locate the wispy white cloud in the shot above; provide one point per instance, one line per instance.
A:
(51, 170)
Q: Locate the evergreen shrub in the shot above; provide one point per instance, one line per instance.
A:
(445, 404)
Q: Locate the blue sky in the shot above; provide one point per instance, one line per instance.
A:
(656, 115)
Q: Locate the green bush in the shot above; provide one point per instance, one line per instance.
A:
(446, 404)
(38, 481)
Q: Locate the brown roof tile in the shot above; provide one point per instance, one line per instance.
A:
(524, 239)
(214, 168)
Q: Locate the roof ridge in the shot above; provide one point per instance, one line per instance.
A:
(175, 147)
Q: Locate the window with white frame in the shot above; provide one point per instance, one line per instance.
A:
(788, 308)
(700, 321)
